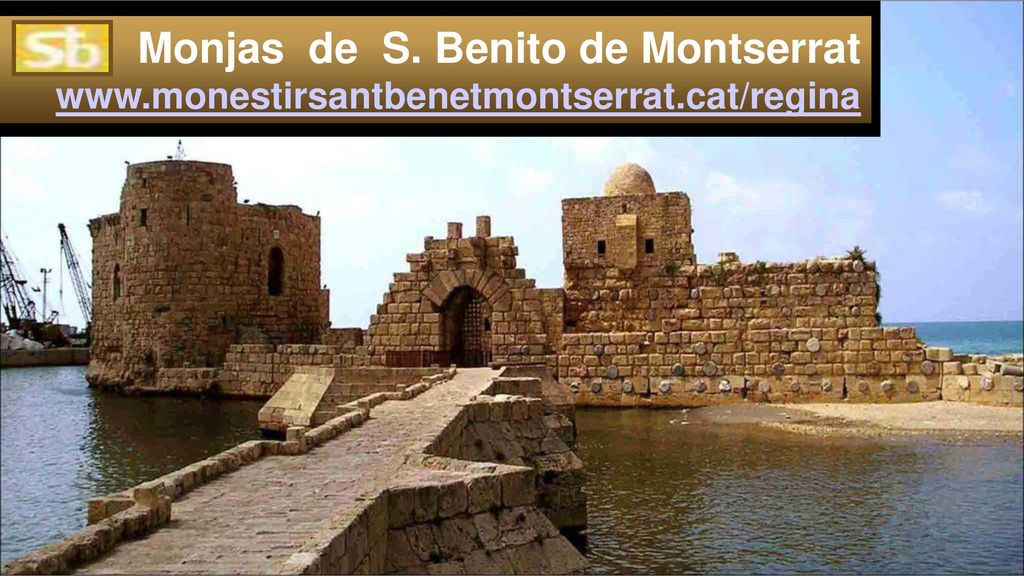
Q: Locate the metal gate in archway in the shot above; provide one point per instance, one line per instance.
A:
(467, 328)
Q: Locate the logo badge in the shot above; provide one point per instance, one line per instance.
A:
(62, 47)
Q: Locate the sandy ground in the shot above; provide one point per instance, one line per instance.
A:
(944, 419)
(926, 415)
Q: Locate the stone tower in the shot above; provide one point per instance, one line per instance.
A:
(616, 246)
(182, 271)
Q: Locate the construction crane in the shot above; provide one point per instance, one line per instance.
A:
(19, 308)
(82, 289)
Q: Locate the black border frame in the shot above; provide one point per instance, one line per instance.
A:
(454, 8)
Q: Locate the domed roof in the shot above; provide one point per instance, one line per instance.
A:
(627, 180)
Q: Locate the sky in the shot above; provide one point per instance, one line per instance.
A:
(936, 201)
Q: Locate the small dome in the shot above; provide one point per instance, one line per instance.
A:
(627, 180)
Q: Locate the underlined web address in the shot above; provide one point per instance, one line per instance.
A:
(385, 99)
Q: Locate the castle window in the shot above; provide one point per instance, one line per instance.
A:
(188, 215)
(143, 216)
(117, 281)
(275, 272)
(601, 248)
(649, 246)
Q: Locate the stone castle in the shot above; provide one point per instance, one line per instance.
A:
(378, 456)
(183, 271)
(195, 292)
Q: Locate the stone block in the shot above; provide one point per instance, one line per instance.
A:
(149, 494)
(452, 499)
(106, 506)
(517, 487)
(483, 226)
(938, 354)
(956, 388)
(401, 502)
(483, 492)
(425, 502)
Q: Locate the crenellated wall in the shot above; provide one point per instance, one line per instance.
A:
(424, 314)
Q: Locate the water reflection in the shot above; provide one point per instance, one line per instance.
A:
(666, 497)
(63, 443)
(145, 437)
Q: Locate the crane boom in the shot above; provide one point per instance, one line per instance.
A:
(18, 306)
(82, 290)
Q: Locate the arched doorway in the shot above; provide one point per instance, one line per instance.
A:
(466, 328)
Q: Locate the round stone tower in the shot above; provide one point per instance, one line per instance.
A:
(159, 270)
(181, 269)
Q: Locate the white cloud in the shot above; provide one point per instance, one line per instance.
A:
(776, 219)
(484, 149)
(605, 152)
(529, 181)
(964, 201)
(973, 161)
(30, 150)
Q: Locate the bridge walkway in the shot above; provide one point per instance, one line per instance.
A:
(253, 519)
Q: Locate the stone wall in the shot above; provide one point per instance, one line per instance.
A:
(183, 271)
(44, 357)
(181, 381)
(820, 293)
(706, 334)
(644, 324)
(313, 395)
(778, 365)
(258, 370)
(410, 326)
(346, 339)
(512, 430)
(996, 381)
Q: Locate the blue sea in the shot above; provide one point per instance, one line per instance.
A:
(971, 337)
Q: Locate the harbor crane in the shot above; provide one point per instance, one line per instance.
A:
(19, 308)
(83, 291)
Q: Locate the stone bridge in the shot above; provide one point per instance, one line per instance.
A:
(463, 474)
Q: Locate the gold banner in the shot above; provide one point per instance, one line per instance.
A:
(450, 69)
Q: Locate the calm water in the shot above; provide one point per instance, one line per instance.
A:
(972, 337)
(669, 498)
(63, 443)
(664, 497)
